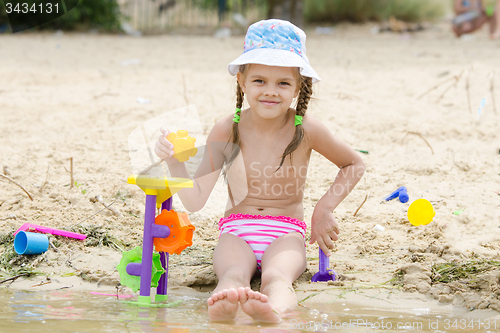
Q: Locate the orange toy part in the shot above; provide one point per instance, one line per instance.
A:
(183, 145)
(181, 232)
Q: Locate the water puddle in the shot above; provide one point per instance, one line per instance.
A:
(66, 311)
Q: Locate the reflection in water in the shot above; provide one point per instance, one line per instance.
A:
(64, 311)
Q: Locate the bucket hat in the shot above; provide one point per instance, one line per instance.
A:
(275, 43)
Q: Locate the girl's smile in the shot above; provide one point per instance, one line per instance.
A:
(269, 103)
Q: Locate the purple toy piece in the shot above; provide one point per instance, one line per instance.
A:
(164, 257)
(151, 231)
(324, 274)
(401, 192)
(147, 245)
(403, 195)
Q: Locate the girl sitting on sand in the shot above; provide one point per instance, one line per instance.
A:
(265, 231)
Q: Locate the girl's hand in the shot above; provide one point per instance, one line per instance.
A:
(324, 229)
(164, 149)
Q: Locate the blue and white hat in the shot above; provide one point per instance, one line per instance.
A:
(275, 43)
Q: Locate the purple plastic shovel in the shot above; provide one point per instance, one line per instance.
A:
(324, 274)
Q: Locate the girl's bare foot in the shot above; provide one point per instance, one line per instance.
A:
(257, 306)
(222, 306)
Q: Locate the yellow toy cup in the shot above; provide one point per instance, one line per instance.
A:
(421, 212)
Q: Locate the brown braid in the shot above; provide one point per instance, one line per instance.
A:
(302, 102)
(235, 134)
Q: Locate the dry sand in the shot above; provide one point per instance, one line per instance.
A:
(73, 96)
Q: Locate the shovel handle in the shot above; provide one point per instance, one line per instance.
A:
(324, 262)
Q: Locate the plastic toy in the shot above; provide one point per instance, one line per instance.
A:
(170, 232)
(324, 274)
(421, 212)
(52, 231)
(30, 243)
(183, 145)
(130, 269)
(400, 193)
(181, 232)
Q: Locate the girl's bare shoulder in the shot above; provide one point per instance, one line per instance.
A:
(222, 129)
(314, 129)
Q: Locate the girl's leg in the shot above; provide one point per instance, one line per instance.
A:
(282, 263)
(234, 265)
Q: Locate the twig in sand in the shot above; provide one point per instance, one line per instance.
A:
(184, 89)
(112, 209)
(453, 85)
(492, 88)
(467, 89)
(12, 180)
(53, 246)
(67, 287)
(437, 86)
(420, 135)
(41, 283)
(13, 278)
(71, 171)
(6, 170)
(366, 197)
(80, 222)
(46, 178)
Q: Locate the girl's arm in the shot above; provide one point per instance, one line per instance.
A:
(208, 171)
(324, 228)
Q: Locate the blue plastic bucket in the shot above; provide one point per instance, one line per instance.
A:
(30, 243)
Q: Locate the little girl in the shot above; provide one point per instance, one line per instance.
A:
(264, 230)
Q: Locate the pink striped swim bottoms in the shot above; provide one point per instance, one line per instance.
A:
(260, 231)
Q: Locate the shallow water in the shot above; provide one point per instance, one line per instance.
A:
(66, 311)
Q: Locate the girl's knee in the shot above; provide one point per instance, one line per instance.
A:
(273, 274)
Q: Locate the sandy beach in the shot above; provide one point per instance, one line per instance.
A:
(75, 95)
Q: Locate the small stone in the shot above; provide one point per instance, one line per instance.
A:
(335, 283)
(445, 298)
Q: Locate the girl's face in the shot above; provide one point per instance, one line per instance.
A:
(269, 90)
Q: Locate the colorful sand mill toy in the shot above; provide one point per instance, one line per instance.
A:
(169, 232)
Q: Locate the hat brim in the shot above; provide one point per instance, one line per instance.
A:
(273, 57)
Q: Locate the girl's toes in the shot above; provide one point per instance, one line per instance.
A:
(242, 295)
(256, 295)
